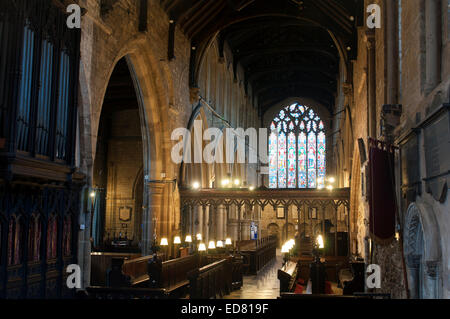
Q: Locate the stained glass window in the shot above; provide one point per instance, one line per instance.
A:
(297, 149)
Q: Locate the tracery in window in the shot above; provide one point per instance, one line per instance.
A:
(297, 149)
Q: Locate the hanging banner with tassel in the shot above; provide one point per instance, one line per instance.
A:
(382, 199)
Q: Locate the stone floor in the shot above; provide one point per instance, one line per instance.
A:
(263, 286)
(266, 284)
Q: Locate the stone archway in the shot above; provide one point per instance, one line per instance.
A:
(274, 230)
(422, 252)
(120, 161)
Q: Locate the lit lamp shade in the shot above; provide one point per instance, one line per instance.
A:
(285, 249)
(228, 242)
(202, 247)
(199, 237)
(188, 239)
(320, 242)
(219, 244)
(177, 240)
(164, 242)
(212, 245)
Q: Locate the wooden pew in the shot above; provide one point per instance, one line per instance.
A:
(356, 296)
(174, 282)
(310, 297)
(287, 276)
(333, 266)
(211, 281)
(237, 262)
(173, 275)
(101, 262)
(96, 292)
(258, 256)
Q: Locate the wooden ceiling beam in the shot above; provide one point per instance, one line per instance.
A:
(255, 74)
(209, 16)
(329, 87)
(321, 49)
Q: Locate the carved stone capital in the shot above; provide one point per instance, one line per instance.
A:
(106, 6)
(194, 93)
(370, 39)
(432, 268)
(413, 261)
(347, 88)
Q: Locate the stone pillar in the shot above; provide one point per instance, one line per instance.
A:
(392, 55)
(414, 275)
(206, 224)
(154, 223)
(371, 84)
(433, 43)
(220, 212)
(199, 220)
(226, 218)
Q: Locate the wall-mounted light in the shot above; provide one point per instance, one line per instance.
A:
(237, 182)
(330, 187)
(92, 194)
(320, 242)
(199, 237)
(188, 239)
(202, 247)
(212, 245)
(196, 185)
(177, 240)
(251, 188)
(225, 182)
(219, 244)
(164, 242)
(228, 242)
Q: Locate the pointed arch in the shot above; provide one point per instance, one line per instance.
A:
(297, 149)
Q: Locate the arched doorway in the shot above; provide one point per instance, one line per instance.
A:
(423, 253)
(118, 168)
(274, 230)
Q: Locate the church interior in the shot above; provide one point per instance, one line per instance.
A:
(226, 149)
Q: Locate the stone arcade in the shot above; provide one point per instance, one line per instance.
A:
(358, 148)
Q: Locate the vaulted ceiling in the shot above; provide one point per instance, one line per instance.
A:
(287, 48)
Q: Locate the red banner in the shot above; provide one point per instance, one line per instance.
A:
(382, 192)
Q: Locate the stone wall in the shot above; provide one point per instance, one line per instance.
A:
(418, 101)
(164, 97)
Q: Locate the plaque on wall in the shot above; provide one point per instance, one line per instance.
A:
(410, 161)
(125, 214)
(410, 169)
(313, 213)
(437, 153)
(280, 212)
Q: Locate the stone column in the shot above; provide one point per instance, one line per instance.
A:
(199, 220)
(226, 218)
(414, 275)
(206, 224)
(392, 55)
(220, 212)
(371, 84)
(433, 42)
(153, 221)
